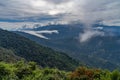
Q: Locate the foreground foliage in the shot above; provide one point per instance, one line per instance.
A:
(30, 71)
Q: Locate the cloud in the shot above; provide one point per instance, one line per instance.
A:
(35, 34)
(88, 12)
(48, 32)
(17, 25)
(114, 22)
(58, 1)
(22, 10)
(92, 10)
(87, 35)
(40, 33)
(105, 12)
(12, 26)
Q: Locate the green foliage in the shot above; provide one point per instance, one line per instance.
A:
(30, 71)
(115, 75)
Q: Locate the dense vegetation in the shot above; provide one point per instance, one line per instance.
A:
(31, 51)
(30, 71)
(8, 56)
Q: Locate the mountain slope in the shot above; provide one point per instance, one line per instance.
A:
(100, 51)
(31, 51)
(8, 55)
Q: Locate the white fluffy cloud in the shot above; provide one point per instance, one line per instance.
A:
(87, 35)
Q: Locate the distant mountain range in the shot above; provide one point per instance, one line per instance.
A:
(14, 47)
(99, 51)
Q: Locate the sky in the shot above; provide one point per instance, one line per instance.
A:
(17, 13)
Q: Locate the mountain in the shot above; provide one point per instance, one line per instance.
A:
(99, 51)
(31, 51)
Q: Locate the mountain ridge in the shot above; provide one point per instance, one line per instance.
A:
(96, 52)
(31, 51)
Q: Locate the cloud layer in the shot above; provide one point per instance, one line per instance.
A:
(42, 11)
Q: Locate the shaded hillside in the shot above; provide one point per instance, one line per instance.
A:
(8, 55)
(31, 51)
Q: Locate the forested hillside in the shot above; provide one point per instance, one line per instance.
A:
(8, 56)
(31, 51)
